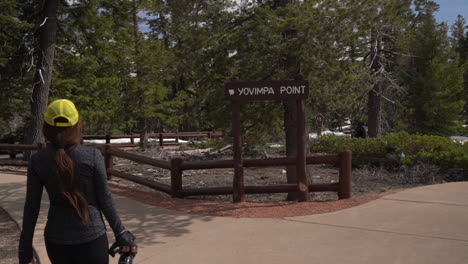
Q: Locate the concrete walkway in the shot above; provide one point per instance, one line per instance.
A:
(422, 225)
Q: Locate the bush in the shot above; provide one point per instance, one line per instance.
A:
(412, 149)
(463, 130)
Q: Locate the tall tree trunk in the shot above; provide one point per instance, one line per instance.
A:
(43, 74)
(143, 127)
(290, 129)
(142, 120)
(374, 121)
(291, 69)
(374, 105)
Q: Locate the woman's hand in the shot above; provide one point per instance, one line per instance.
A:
(126, 242)
(126, 249)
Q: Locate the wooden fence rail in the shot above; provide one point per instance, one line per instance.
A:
(148, 183)
(110, 151)
(21, 147)
(177, 166)
(12, 150)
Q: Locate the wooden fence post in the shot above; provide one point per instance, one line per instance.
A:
(108, 139)
(109, 162)
(132, 139)
(344, 190)
(176, 177)
(40, 145)
(161, 143)
(302, 181)
(238, 192)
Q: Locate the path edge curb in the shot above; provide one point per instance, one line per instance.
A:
(35, 255)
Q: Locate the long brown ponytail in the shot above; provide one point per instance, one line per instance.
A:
(63, 137)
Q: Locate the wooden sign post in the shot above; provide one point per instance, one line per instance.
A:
(242, 91)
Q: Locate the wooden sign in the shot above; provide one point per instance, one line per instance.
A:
(267, 90)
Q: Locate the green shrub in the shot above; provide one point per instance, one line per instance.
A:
(463, 130)
(434, 150)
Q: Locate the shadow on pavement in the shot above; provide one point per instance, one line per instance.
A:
(147, 223)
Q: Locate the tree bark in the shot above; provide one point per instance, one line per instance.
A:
(374, 104)
(291, 69)
(142, 120)
(374, 111)
(290, 129)
(43, 74)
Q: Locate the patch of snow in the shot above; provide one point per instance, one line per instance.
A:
(127, 140)
(232, 53)
(325, 132)
(459, 139)
(72, 2)
(275, 146)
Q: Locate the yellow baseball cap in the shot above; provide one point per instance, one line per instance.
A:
(61, 108)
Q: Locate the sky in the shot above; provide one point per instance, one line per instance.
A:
(449, 9)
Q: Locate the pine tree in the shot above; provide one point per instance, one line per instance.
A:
(92, 64)
(104, 66)
(460, 42)
(195, 33)
(44, 71)
(386, 21)
(434, 77)
(458, 30)
(15, 80)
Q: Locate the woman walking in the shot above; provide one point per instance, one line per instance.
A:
(75, 179)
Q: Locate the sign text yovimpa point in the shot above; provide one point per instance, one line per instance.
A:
(267, 90)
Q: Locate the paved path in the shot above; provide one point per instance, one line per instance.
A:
(422, 225)
(9, 233)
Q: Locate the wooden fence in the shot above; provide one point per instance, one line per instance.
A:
(12, 149)
(177, 166)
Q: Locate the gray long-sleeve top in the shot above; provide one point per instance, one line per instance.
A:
(63, 225)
